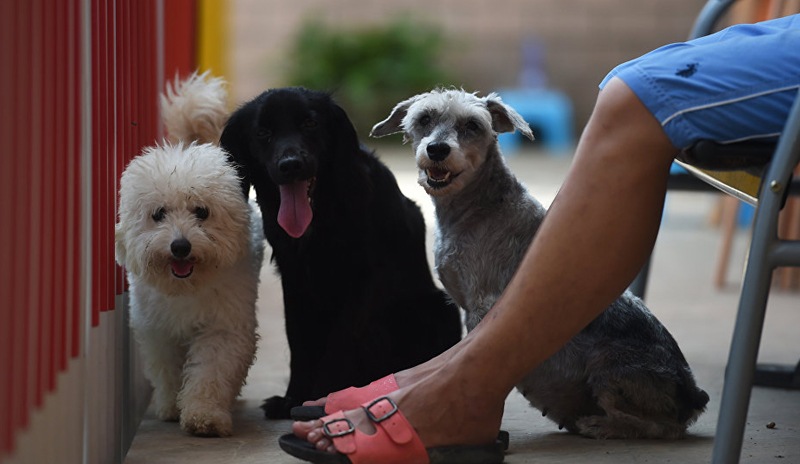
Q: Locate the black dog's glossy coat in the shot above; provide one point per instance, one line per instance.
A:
(359, 298)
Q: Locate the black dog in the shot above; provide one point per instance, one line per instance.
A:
(359, 298)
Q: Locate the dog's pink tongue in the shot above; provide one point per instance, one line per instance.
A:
(295, 213)
(182, 268)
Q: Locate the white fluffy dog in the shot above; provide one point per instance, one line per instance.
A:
(193, 248)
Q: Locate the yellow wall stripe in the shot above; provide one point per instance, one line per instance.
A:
(212, 37)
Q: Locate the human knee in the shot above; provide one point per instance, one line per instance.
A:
(621, 117)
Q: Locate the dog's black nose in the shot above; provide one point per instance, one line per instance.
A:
(180, 248)
(290, 165)
(438, 151)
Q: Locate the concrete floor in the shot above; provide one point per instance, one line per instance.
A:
(680, 293)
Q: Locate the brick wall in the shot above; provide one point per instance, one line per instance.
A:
(582, 39)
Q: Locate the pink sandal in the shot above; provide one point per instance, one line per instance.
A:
(394, 442)
(344, 400)
(354, 397)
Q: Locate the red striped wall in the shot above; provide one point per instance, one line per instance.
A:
(180, 55)
(6, 226)
(40, 288)
(49, 298)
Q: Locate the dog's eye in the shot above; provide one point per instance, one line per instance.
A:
(263, 133)
(472, 126)
(201, 213)
(309, 124)
(159, 215)
(424, 120)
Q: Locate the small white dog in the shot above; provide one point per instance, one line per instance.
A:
(193, 248)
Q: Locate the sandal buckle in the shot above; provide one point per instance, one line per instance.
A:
(333, 434)
(386, 415)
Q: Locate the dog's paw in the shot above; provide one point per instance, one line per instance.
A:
(594, 427)
(277, 407)
(167, 412)
(207, 422)
(165, 402)
(617, 427)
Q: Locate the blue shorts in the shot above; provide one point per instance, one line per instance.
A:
(737, 84)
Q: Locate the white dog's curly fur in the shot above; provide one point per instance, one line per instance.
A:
(193, 248)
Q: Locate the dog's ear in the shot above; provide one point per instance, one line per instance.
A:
(394, 123)
(343, 130)
(504, 118)
(235, 140)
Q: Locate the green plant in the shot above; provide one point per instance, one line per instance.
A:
(368, 69)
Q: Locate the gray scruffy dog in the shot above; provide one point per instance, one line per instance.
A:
(623, 376)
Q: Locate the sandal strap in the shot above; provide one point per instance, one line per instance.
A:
(383, 412)
(341, 431)
(338, 427)
(394, 442)
(352, 397)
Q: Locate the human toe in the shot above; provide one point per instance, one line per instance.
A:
(317, 402)
(302, 429)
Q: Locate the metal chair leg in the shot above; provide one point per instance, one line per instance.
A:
(766, 253)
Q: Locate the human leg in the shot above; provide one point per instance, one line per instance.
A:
(595, 238)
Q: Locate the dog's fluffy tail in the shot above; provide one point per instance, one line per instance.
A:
(195, 109)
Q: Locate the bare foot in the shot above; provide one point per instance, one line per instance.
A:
(441, 414)
(405, 377)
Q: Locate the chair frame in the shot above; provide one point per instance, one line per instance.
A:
(767, 252)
